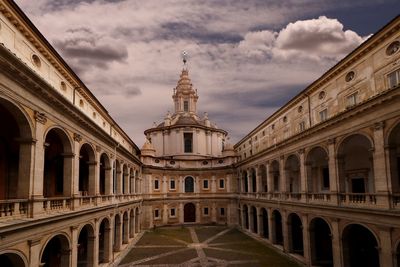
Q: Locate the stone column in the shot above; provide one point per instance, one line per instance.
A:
(306, 240)
(36, 184)
(213, 212)
(96, 183)
(336, 246)
(333, 171)
(34, 252)
(118, 180)
(180, 213)
(74, 245)
(107, 244)
(303, 179)
(165, 214)
(385, 249)
(285, 231)
(198, 212)
(75, 180)
(282, 174)
(258, 180)
(92, 250)
(271, 232)
(270, 178)
(94, 177)
(118, 236)
(249, 183)
(379, 163)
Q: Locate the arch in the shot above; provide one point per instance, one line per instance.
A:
(56, 252)
(360, 246)
(246, 216)
(86, 170)
(355, 162)
(275, 175)
(189, 212)
(295, 233)
(277, 233)
(58, 162)
(86, 246)
(104, 174)
(317, 169)
(137, 220)
(263, 176)
(245, 181)
(253, 214)
(125, 228)
(265, 223)
(117, 240)
(189, 184)
(321, 242)
(125, 180)
(292, 169)
(15, 151)
(253, 180)
(393, 142)
(104, 241)
(13, 259)
(132, 223)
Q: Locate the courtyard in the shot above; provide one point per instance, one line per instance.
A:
(202, 246)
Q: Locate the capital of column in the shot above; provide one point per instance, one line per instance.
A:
(379, 125)
(331, 141)
(40, 117)
(77, 137)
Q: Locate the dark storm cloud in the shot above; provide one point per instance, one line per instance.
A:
(182, 30)
(261, 97)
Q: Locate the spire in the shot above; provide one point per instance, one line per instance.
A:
(185, 96)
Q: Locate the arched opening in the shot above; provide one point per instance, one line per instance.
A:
(254, 219)
(245, 182)
(355, 165)
(321, 243)
(317, 170)
(104, 241)
(253, 180)
(274, 173)
(117, 242)
(14, 141)
(125, 180)
(246, 216)
(295, 228)
(86, 246)
(131, 224)
(131, 181)
(57, 164)
(189, 184)
(56, 253)
(86, 170)
(116, 177)
(125, 228)
(264, 216)
(11, 260)
(105, 173)
(277, 228)
(137, 220)
(292, 168)
(189, 212)
(360, 248)
(263, 175)
(394, 158)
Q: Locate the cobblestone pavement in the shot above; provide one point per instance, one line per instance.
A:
(201, 246)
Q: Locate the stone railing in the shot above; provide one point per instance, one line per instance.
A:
(57, 203)
(357, 199)
(13, 208)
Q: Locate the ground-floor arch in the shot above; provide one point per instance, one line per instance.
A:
(295, 228)
(56, 252)
(11, 260)
(277, 237)
(360, 247)
(320, 243)
(189, 212)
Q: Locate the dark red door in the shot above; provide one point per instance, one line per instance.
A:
(189, 212)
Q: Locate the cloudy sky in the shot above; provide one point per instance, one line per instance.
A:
(247, 57)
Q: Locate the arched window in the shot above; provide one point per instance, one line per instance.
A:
(189, 185)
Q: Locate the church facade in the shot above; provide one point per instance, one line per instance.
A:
(319, 180)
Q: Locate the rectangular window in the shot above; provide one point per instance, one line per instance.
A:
(172, 184)
(205, 211)
(222, 211)
(221, 183)
(188, 140)
(156, 184)
(323, 115)
(394, 78)
(351, 100)
(302, 126)
(172, 212)
(186, 106)
(205, 184)
(156, 214)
